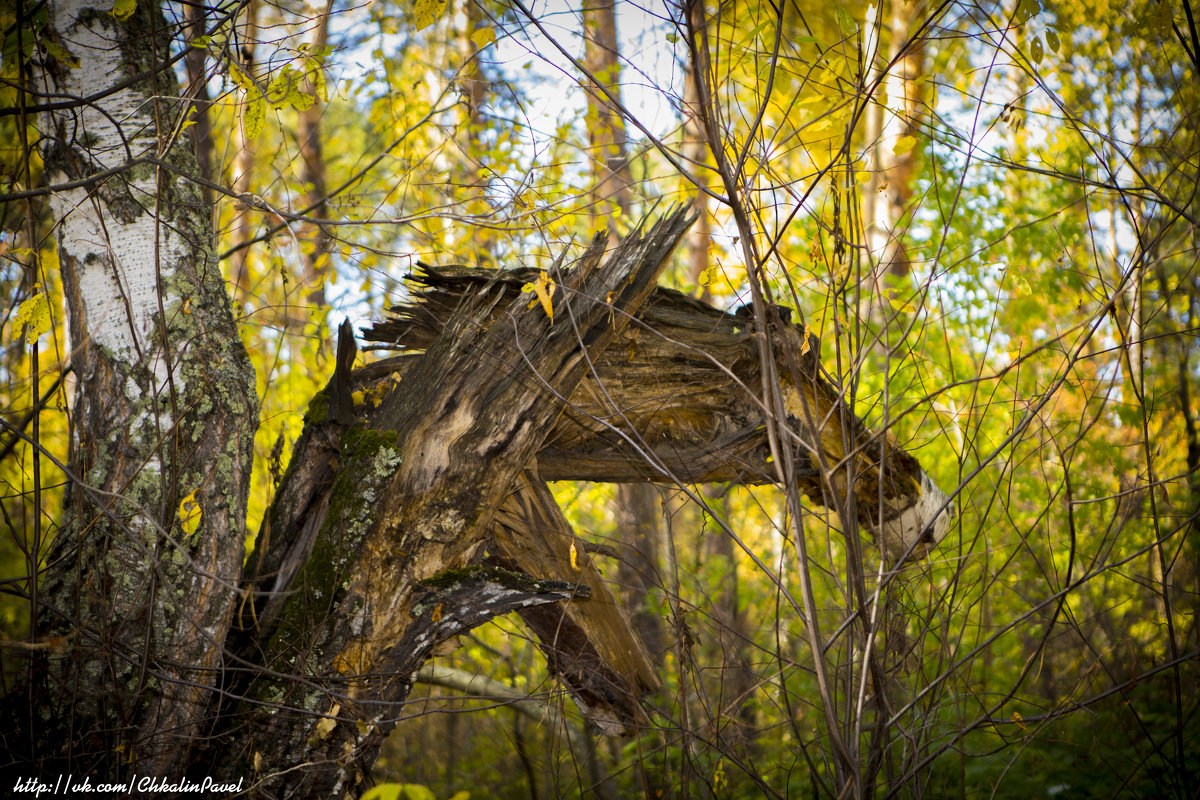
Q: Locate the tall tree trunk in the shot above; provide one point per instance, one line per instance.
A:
(241, 180)
(197, 89)
(696, 157)
(611, 179)
(312, 175)
(735, 714)
(636, 504)
(637, 510)
(137, 594)
(472, 179)
(890, 190)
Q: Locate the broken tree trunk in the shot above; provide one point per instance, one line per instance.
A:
(590, 645)
(381, 545)
(673, 400)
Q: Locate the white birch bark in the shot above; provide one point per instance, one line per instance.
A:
(165, 407)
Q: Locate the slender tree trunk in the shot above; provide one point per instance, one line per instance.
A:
(890, 190)
(472, 179)
(241, 180)
(611, 180)
(637, 510)
(197, 89)
(636, 504)
(312, 175)
(138, 587)
(733, 639)
(695, 155)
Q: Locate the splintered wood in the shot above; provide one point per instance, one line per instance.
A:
(676, 399)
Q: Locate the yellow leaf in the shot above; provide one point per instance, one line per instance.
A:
(34, 317)
(903, 145)
(316, 77)
(326, 725)
(819, 126)
(427, 12)
(1022, 286)
(281, 90)
(253, 114)
(189, 513)
(899, 303)
(436, 616)
(240, 77)
(574, 557)
(543, 287)
(123, 9)
(482, 37)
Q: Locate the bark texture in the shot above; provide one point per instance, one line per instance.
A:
(137, 588)
(673, 400)
(410, 505)
(889, 193)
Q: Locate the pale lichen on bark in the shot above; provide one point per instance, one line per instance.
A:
(165, 403)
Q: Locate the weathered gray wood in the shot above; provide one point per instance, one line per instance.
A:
(588, 642)
(413, 499)
(675, 399)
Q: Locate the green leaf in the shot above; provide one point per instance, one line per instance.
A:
(123, 9)
(403, 791)
(60, 53)
(1026, 9)
(427, 12)
(1035, 50)
(1052, 40)
(845, 21)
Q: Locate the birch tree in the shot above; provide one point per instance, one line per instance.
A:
(137, 588)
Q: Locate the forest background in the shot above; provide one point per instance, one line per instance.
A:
(985, 212)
